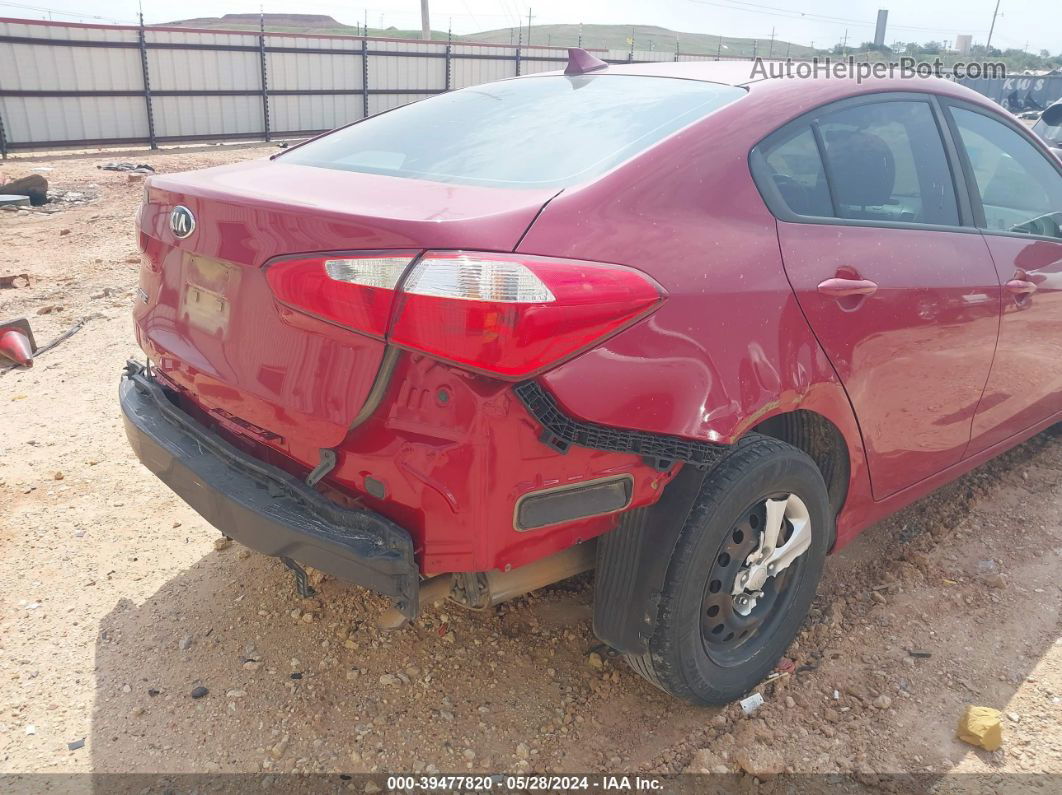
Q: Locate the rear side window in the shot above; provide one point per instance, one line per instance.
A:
(796, 171)
(1020, 190)
(881, 161)
(537, 132)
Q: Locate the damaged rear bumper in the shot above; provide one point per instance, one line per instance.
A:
(263, 507)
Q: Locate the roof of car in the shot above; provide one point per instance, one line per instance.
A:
(824, 87)
(734, 73)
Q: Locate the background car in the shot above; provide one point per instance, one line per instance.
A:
(1049, 127)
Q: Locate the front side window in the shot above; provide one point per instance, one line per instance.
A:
(538, 132)
(1020, 190)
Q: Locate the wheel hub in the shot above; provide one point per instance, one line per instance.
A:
(748, 579)
(786, 536)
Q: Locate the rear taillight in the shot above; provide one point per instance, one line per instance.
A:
(510, 315)
(354, 290)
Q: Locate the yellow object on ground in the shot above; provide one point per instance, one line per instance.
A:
(981, 726)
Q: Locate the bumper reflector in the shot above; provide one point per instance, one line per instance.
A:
(567, 503)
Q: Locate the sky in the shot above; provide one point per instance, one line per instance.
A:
(1036, 24)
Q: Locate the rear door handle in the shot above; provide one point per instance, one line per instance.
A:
(839, 287)
(1020, 287)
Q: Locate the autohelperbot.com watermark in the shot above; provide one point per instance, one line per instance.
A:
(851, 69)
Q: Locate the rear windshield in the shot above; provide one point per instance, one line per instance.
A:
(538, 132)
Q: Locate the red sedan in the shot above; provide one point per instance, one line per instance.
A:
(694, 329)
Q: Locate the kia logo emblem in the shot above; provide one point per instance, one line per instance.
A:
(182, 222)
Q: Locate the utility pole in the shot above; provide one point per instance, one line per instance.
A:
(528, 27)
(991, 30)
(770, 52)
(425, 25)
(844, 44)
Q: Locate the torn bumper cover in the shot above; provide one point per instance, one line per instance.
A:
(263, 507)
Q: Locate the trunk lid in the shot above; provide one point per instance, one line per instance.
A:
(205, 313)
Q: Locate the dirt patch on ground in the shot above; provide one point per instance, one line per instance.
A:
(115, 604)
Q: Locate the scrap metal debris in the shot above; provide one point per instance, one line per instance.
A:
(752, 703)
(135, 168)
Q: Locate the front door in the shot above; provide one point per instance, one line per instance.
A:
(1018, 204)
(899, 291)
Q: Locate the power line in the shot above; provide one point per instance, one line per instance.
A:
(73, 14)
(788, 13)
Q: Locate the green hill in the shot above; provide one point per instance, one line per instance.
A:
(646, 37)
(293, 23)
(613, 37)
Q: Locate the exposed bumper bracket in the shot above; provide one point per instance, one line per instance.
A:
(302, 579)
(560, 431)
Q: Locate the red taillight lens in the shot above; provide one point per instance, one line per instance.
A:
(354, 290)
(514, 315)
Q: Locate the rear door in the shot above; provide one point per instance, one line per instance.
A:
(1017, 190)
(897, 285)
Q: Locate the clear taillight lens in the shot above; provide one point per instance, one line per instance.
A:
(514, 315)
(477, 278)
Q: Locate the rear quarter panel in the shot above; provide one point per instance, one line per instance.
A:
(730, 346)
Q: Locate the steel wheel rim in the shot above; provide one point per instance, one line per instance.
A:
(726, 631)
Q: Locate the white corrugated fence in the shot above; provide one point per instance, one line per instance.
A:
(65, 84)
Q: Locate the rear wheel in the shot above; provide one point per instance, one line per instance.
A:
(742, 575)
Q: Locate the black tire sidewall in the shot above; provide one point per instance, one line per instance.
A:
(747, 476)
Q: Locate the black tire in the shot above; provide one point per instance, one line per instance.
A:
(682, 659)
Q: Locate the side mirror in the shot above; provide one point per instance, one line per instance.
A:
(1052, 117)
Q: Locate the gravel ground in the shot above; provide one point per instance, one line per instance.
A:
(116, 604)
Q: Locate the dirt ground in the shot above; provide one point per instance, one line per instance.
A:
(115, 604)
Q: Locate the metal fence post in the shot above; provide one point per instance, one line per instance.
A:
(3, 139)
(449, 48)
(517, 61)
(147, 84)
(265, 77)
(365, 78)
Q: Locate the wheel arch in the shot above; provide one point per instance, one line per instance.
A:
(824, 443)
